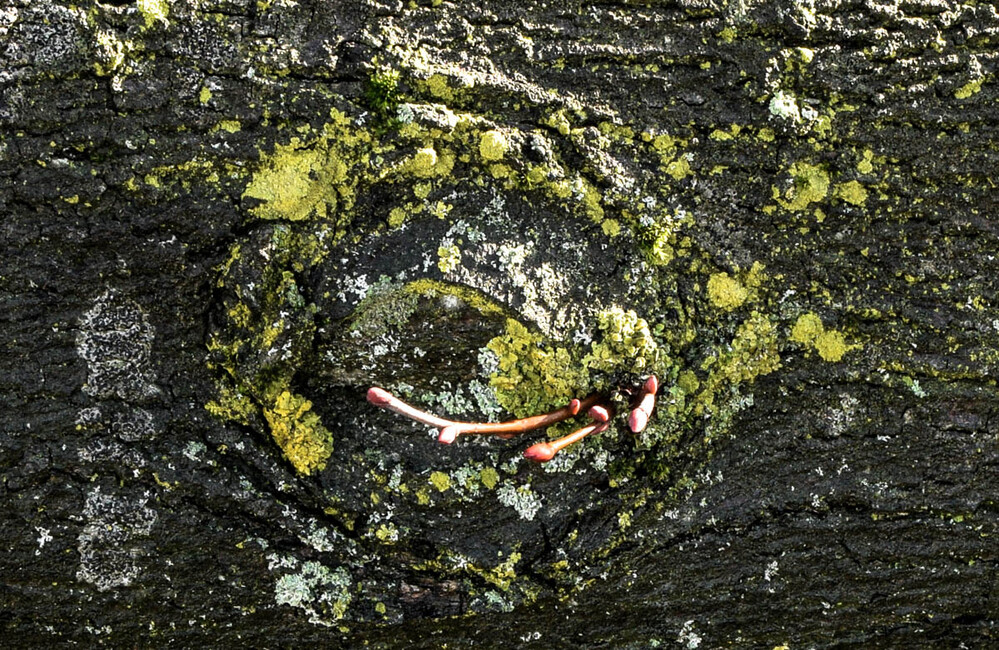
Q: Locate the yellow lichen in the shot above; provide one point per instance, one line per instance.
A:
(299, 432)
(806, 329)
(448, 258)
(493, 145)
(232, 405)
(111, 53)
(611, 227)
(532, 377)
(154, 11)
(305, 179)
(229, 126)
(679, 168)
(441, 481)
(477, 301)
(969, 89)
(489, 477)
(811, 185)
(725, 292)
(296, 183)
(752, 353)
(559, 122)
(851, 192)
(866, 165)
(397, 216)
(830, 344)
(625, 343)
(591, 201)
(438, 86)
(423, 163)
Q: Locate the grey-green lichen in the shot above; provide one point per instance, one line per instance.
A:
(322, 593)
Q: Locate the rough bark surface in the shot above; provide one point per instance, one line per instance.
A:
(223, 220)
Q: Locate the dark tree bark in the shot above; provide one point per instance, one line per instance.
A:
(224, 220)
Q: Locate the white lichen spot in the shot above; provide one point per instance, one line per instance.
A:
(840, 419)
(785, 106)
(115, 339)
(109, 543)
(194, 449)
(688, 637)
(485, 399)
(44, 536)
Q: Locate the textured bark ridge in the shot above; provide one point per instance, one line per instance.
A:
(225, 220)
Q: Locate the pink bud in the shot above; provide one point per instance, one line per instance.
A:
(638, 420)
(540, 453)
(379, 396)
(599, 413)
(448, 435)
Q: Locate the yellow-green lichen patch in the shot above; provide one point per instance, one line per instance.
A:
(311, 179)
(725, 292)
(611, 227)
(441, 481)
(679, 168)
(851, 192)
(448, 258)
(474, 299)
(426, 163)
(866, 164)
(810, 184)
(154, 11)
(387, 533)
(397, 216)
(438, 86)
(728, 292)
(969, 89)
(232, 405)
(296, 183)
(264, 340)
(229, 126)
(625, 344)
(489, 477)
(807, 328)
(493, 145)
(830, 344)
(532, 377)
(299, 432)
(752, 353)
(111, 53)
